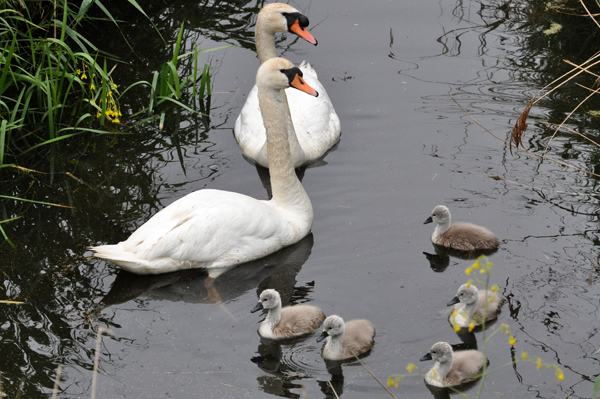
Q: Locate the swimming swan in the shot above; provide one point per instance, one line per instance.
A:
(453, 368)
(213, 229)
(288, 322)
(459, 236)
(315, 121)
(344, 340)
(471, 303)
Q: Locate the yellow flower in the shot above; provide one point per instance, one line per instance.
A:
(511, 340)
(495, 288)
(410, 367)
(468, 270)
(92, 101)
(390, 382)
(114, 85)
(84, 76)
(397, 382)
(476, 264)
(560, 376)
(456, 327)
(78, 71)
(482, 271)
(116, 120)
(471, 326)
(92, 87)
(539, 363)
(109, 94)
(524, 355)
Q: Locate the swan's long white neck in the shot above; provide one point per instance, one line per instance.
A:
(443, 368)
(334, 343)
(441, 228)
(273, 316)
(265, 49)
(286, 188)
(265, 42)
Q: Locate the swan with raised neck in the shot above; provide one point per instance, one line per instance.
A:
(215, 229)
(315, 122)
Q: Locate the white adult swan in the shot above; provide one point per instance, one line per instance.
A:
(316, 124)
(213, 229)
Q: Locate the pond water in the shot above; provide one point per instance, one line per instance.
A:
(406, 146)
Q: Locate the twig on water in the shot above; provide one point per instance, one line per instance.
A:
(528, 152)
(332, 389)
(590, 276)
(101, 331)
(57, 381)
(373, 375)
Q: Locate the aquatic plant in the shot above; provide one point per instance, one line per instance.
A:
(484, 266)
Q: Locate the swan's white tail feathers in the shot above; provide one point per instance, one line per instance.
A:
(307, 68)
(115, 254)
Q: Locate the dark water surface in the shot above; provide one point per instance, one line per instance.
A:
(406, 146)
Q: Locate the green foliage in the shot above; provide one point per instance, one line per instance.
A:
(55, 84)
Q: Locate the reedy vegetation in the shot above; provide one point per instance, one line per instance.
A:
(56, 84)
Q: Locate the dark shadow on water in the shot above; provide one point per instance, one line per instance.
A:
(440, 261)
(277, 270)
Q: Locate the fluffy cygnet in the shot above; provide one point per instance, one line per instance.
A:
(453, 368)
(459, 236)
(471, 304)
(288, 322)
(344, 340)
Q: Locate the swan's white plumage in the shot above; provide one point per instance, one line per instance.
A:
(214, 229)
(315, 121)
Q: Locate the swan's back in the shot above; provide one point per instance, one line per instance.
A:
(298, 320)
(490, 303)
(467, 366)
(467, 237)
(358, 338)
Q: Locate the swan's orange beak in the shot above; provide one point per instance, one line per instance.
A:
(301, 85)
(303, 33)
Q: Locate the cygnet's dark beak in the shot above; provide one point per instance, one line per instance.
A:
(426, 357)
(322, 336)
(258, 307)
(429, 220)
(453, 301)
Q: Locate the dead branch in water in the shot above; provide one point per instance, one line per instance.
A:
(523, 150)
(520, 127)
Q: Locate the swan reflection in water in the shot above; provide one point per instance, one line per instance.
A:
(277, 271)
(440, 260)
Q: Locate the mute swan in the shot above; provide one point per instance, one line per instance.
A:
(213, 229)
(344, 340)
(316, 124)
(288, 322)
(453, 368)
(471, 303)
(459, 236)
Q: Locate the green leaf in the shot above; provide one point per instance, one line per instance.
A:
(596, 386)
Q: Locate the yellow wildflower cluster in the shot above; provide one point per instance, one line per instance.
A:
(511, 340)
(480, 265)
(112, 110)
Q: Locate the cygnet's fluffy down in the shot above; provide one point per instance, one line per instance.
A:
(288, 322)
(471, 304)
(459, 236)
(453, 368)
(344, 340)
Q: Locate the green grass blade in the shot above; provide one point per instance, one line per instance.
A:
(596, 387)
(6, 238)
(3, 132)
(34, 201)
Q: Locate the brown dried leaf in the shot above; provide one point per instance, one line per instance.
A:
(520, 127)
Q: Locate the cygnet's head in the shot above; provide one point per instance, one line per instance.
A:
(440, 352)
(279, 74)
(439, 215)
(332, 326)
(467, 293)
(280, 17)
(269, 299)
